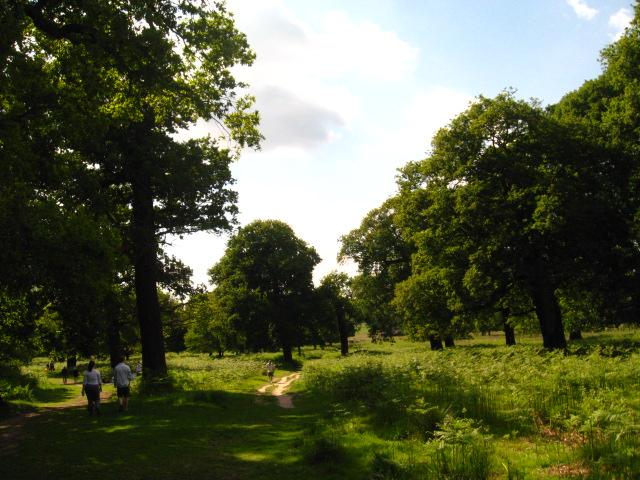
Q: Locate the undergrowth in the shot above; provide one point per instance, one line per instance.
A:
(455, 401)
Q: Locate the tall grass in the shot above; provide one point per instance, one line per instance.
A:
(586, 400)
(192, 372)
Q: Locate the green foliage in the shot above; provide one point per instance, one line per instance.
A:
(14, 385)
(336, 313)
(322, 450)
(462, 402)
(462, 451)
(499, 216)
(383, 258)
(384, 468)
(191, 373)
(264, 281)
(484, 411)
(93, 96)
(207, 325)
(17, 325)
(423, 302)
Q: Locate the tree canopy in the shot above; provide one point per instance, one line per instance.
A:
(94, 94)
(516, 208)
(265, 279)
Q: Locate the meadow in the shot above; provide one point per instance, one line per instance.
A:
(387, 411)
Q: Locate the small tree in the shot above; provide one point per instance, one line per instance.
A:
(383, 257)
(335, 290)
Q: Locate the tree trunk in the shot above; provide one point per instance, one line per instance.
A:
(344, 338)
(145, 248)
(548, 312)
(286, 354)
(115, 346)
(509, 331)
(448, 341)
(116, 349)
(575, 334)
(71, 362)
(435, 342)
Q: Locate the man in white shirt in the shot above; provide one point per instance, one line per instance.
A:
(122, 377)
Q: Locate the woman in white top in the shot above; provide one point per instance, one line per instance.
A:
(92, 386)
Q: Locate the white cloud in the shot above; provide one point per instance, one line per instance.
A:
(316, 68)
(582, 9)
(342, 46)
(288, 120)
(619, 21)
(335, 46)
(317, 84)
(409, 138)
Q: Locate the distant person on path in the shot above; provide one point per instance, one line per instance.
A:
(270, 367)
(122, 377)
(65, 374)
(76, 374)
(139, 368)
(92, 386)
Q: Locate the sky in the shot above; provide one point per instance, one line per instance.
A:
(351, 90)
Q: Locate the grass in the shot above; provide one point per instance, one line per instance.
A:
(387, 411)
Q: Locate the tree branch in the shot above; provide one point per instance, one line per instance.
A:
(73, 32)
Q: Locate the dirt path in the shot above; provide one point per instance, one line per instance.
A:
(278, 389)
(11, 429)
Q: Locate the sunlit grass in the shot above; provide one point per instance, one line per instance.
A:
(388, 410)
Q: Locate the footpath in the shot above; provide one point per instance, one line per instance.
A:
(279, 388)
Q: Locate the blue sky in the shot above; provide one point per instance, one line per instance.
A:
(351, 90)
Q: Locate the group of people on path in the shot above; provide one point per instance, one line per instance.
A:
(65, 374)
(92, 385)
(122, 377)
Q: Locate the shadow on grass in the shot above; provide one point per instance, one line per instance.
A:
(605, 345)
(208, 434)
(53, 394)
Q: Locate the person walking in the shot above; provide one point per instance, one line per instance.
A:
(122, 377)
(65, 374)
(92, 386)
(270, 367)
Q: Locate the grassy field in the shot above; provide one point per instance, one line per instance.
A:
(387, 411)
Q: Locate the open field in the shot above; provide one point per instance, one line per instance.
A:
(390, 410)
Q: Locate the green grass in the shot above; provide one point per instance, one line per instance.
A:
(387, 411)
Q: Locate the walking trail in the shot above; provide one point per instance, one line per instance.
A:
(285, 401)
(12, 428)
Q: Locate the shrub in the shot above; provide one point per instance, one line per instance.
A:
(462, 451)
(319, 450)
(14, 385)
(383, 468)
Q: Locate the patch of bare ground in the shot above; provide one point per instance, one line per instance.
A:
(570, 439)
(570, 470)
(279, 388)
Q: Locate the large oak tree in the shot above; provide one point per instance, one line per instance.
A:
(107, 86)
(265, 277)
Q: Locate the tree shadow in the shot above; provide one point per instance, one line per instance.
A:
(53, 395)
(214, 434)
